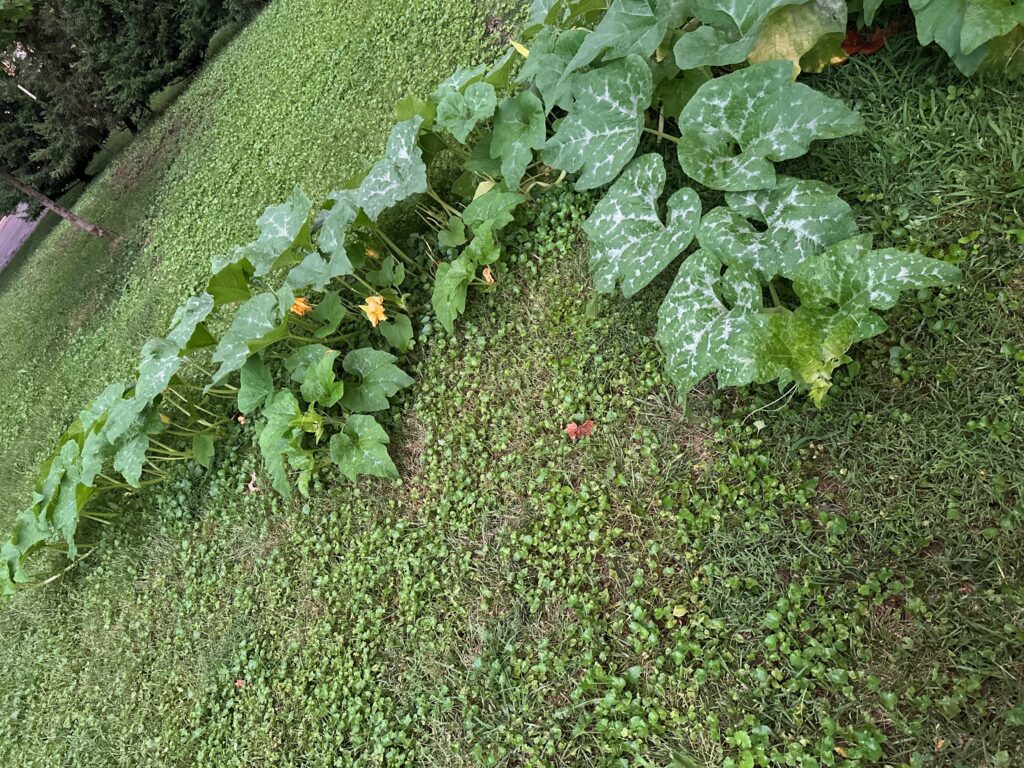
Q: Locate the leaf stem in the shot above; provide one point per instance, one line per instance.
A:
(663, 135)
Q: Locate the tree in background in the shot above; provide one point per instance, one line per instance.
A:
(73, 72)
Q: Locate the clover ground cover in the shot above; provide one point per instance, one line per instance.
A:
(726, 583)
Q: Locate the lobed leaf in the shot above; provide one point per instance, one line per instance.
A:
(378, 378)
(728, 32)
(735, 126)
(257, 385)
(601, 133)
(809, 35)
(361, 449)
(400, 174)
(628, 27)
(451, 285)
(628, 242)
(320, 385)
(550, 54)
(459, 113)
(255, 321)
(519, 129)
(492, 211)
(800, 218)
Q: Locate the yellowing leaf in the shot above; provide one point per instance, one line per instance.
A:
(521, 49)
(809, 35)
(483, 188)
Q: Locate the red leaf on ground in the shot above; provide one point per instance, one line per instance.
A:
(868, 43)
(239, 684)
(576, 431)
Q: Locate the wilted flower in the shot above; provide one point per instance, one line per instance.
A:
(488, 277)
(374, 309)
(301, 307)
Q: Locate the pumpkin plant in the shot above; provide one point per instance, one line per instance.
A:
(292, 327)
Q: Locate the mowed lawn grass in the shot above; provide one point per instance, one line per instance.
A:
(743, 581)
(304, 95)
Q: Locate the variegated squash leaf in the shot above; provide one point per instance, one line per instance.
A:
(602, 131)
(629, 244)
(736, 126)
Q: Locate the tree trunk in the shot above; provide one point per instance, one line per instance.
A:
(64, 213)
(132, 126)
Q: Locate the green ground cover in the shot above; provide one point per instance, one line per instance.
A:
(744, 579)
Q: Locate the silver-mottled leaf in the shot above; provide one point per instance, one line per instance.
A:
(400, 174)
(188, 317)
(736, 125)
(627, 27)
(602, 132)
(160, 361)
(628, 242)
(802, 218)
(550, 54)
(852, 275)
(700, 335)
(254, 320)
(728, 32)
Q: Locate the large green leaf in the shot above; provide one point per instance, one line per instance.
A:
(602, 131)
(131, 458)
(378, 378)
(700, 334)
(963, 27)
(230, 284)
(484, 249)
(628, 242)
(336, 223)
(100, 407)
(160, 362)
(519, 129)
(459, 80)
(550, 54)
(492, 210)
(316, 272)
(257, 384)
(320, 384)
(400, 174)
(736, 125)
(283, 228)
(714, 320)
(29, 533)
(188, 318)
(330, 311)
(852, 276)
(459, 112)
(628, 27)
(809, 35)
(280, 442)
(203, 450)
(451, 285)
(123, 416)
(298, 362)
(255, 320)
(398, 332)
(361, 449)
(798, 218)
(63, 515)
(728, 32)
